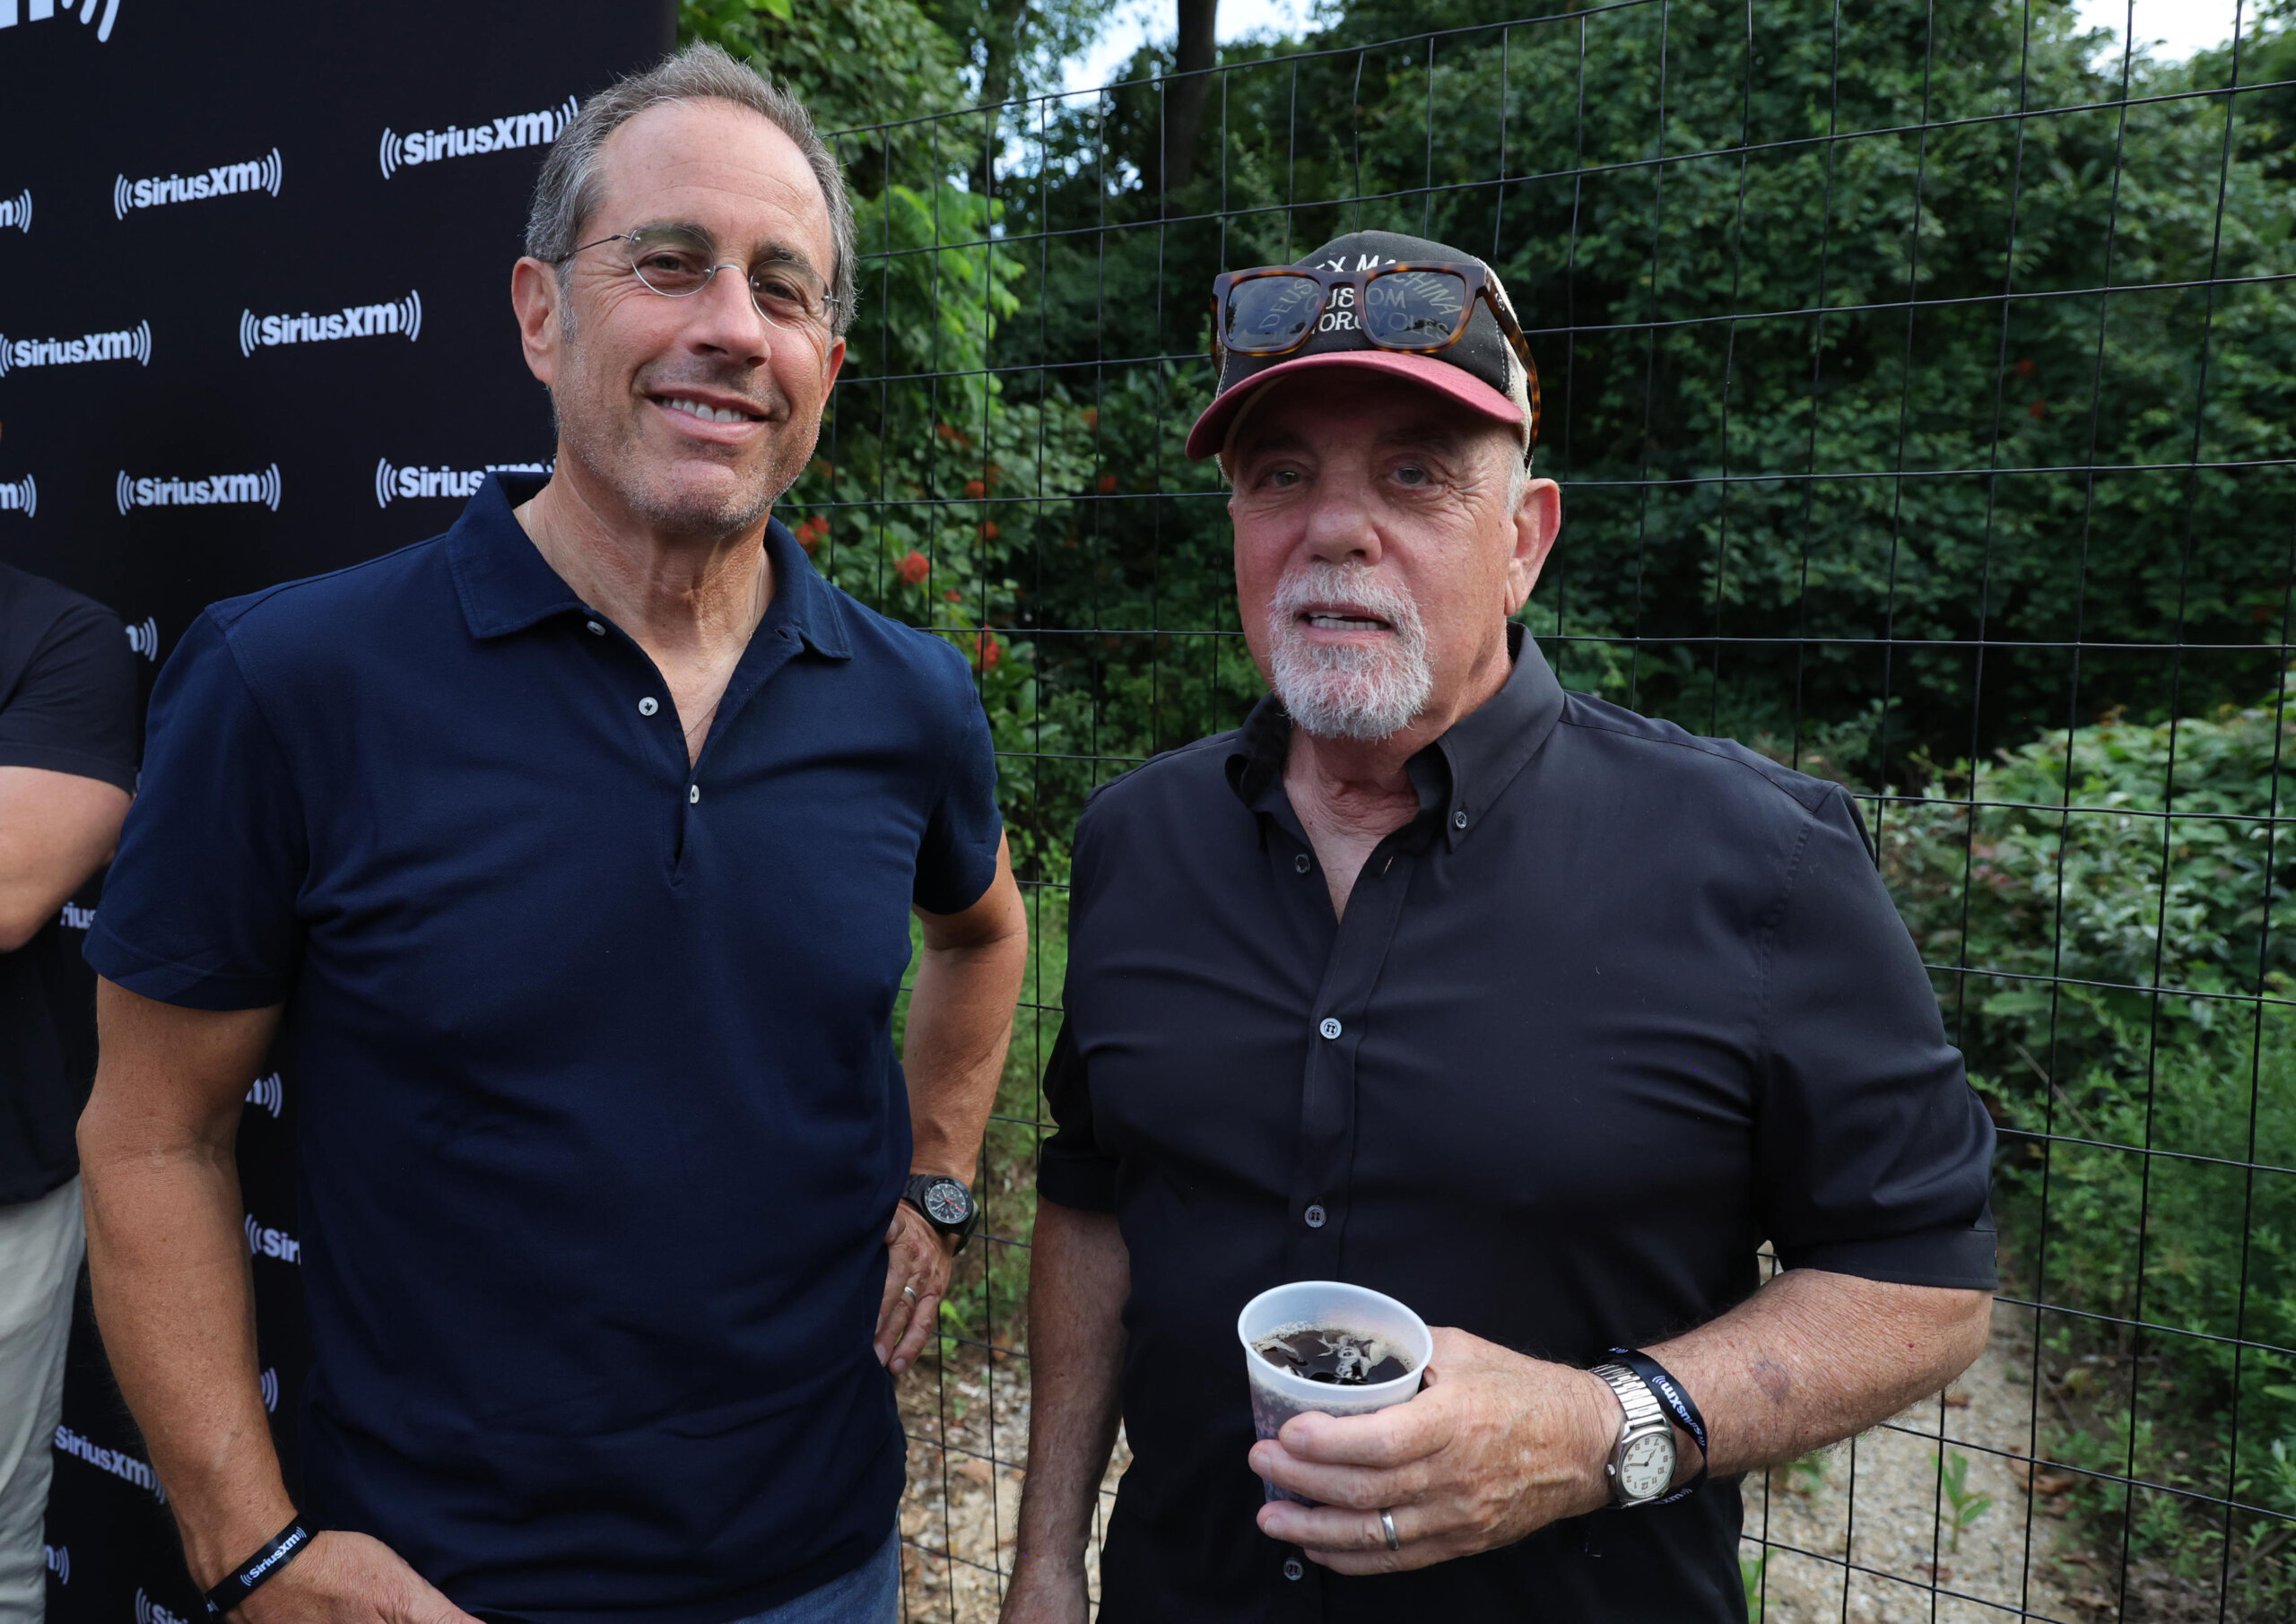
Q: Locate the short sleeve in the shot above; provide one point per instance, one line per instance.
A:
(1873, 1155)
(1072, 1169)
(199, 909)
(73, 708)
(956, 858)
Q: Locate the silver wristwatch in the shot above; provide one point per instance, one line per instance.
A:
(1641, 1466)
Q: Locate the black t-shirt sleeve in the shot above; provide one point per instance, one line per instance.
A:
(1873, 1155)
(1072, 1169)
(73, 708)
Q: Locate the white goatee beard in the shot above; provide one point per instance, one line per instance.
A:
(1365, 694)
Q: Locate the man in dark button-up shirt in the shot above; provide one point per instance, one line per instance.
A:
(578, 846)
(1537, 1014)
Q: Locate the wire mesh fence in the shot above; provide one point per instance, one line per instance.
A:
(1918, 377)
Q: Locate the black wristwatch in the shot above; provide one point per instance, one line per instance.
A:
(947, 1206)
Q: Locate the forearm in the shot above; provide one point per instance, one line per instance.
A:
(1079, 1277)
(959, 1023)
(55, 829)
(1813, 1357)
(168, 1267)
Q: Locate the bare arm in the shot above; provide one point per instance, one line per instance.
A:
(1499, 1445)
(1079, 1277)
(1812, 1357)
(55, 829)
(960, 1022)
(168, 1265)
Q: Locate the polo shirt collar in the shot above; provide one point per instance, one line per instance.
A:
(1459, 775)
(507, 586)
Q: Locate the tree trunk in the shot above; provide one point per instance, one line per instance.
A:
(1001, 36)
(1186, 91)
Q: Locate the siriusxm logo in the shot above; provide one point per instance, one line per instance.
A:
(59, 1562)
(41, 11)
(261, 489)
(499, 135)
(21, 497)
(262, 174)
(76, 918)
(117, 1462)
(403, 317)
(394, 483)
(272, 1243)
(268, 1093)
(17, 211)
(148, 1611)
(145, 639)
(130, 343)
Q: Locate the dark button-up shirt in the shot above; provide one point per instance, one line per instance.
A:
(600, 1121)
(1617, 1007)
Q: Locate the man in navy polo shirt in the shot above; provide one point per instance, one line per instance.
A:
(576, 849)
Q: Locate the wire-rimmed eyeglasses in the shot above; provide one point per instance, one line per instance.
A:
(678, 261)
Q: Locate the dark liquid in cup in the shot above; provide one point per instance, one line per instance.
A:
(1343, 1359)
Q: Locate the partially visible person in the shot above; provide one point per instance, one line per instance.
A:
(67, 767)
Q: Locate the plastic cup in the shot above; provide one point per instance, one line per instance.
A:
(1278, 1394)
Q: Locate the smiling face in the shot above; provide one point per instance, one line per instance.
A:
(696, 413)
(1381, 543)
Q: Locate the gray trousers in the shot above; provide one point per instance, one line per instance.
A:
(41, 1242)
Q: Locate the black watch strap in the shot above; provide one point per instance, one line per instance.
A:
(1675, 1400)
(250, 1575)
(917, 1193)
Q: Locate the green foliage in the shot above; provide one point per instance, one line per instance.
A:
(2139, 861)
(1964, 1508)
(854, 63)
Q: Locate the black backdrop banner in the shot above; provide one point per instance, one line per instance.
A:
(255, 325)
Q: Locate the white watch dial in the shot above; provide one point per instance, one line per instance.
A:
(1646, 1466)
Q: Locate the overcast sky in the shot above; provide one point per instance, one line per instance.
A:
(2174, 29)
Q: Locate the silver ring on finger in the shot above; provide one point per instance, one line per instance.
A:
(909, 1293)
(1387, 1527)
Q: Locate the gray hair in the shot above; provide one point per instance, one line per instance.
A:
(567, 194)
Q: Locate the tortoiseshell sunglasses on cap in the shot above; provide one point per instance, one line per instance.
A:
(1411, 308)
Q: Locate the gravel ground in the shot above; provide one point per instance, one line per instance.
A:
(1873, 1514)
(968, 1423)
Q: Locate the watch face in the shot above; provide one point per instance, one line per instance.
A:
(1647, 1466)
(946, 1203)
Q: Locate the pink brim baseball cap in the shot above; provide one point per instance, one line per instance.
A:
(1210, 431)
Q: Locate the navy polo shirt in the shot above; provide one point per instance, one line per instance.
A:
(601, 1122)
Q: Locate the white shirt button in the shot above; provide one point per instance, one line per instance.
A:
(1291, 1568)
(1330, 1028)
(1303, 862)
(693, 795)
(1459, 819)
(648, 705)
(1315, 1215)
(596, 629)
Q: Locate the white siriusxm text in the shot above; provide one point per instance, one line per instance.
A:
(117, 1462)
(263, 174)
(503, 135)
(126, 344)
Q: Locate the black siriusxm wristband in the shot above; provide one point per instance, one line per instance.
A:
(1678, 1403)
(281, 1548)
